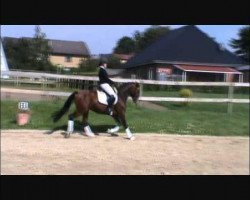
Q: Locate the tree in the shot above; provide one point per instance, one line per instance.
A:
(149, 36)
(89, 65)
(140, 40)
(19, 53)
(125, 45)
(242, 44)
(42, 50)
(29, 53)
(10, 48)
(113, 62)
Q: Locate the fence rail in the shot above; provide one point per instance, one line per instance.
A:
(46, 76)
(45, 79)
(201, 100)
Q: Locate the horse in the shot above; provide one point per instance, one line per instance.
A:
(86, 100)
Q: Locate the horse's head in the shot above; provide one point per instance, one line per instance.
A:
(129, 89)
(135, 91)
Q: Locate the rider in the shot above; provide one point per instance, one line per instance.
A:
(105, 83)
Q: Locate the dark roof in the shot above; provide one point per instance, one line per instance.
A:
(244, 68)
(187, 44)
(69, 47)
(62, 47)
(107, 55)
(12, 39)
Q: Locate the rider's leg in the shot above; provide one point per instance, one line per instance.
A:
(110, 104)
(108, 89)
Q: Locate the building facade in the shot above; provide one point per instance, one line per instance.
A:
(64, 54)
(185, 54)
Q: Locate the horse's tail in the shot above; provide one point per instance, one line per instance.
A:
(57, 115)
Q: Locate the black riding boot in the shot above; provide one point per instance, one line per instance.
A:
(110, 103)
(109, 110)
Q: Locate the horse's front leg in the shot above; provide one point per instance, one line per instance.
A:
(127, 129)
(114, 131)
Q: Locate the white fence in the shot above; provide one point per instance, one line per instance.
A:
(46, 78)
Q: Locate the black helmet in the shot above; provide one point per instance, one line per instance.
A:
(103, 61)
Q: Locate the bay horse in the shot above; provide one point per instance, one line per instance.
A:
(86, 100)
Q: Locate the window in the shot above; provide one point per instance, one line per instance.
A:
(133, 76)
(68, 59)
(150, 74)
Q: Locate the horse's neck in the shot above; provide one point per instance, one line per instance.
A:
(124, 95)
(124, 98)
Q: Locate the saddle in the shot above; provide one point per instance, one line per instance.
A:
(103, 96)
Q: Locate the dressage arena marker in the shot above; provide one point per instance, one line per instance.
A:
(24, 114)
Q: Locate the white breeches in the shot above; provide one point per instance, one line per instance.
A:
(107, 88)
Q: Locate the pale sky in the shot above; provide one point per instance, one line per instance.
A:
(102, 39)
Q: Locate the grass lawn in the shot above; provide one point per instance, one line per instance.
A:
(195, 94)
(195, 119)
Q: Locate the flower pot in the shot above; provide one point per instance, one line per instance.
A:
(23, 118)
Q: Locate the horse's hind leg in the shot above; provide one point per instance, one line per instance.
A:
(86, 126)
(70, 128)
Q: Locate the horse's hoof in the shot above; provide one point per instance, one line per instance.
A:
(48, 132)
(113, 130)
(67, 135)
(90, 134)
(132, 138)
(114, 134)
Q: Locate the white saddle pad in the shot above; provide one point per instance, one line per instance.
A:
(102, 98)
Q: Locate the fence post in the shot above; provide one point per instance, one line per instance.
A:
(17, 80)
(230, 97)
(141, 89)
(43, 82)
(86, 84)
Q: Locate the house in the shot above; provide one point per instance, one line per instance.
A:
(123, 58)
(245, 70)
(185, 54)
(68, 54)
(65, 54)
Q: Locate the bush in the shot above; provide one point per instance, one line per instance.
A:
(186, 93)
(114, 62)
(89, 65)
(149, 87)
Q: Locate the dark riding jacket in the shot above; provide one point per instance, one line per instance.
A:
(103, 77)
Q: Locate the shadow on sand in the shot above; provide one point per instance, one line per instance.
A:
(78, 127)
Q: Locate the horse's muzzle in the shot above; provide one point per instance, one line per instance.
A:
(135, 100)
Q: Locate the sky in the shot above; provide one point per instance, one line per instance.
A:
(101, 39)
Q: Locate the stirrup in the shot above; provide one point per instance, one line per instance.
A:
(109, 111)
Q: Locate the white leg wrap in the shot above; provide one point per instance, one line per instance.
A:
(70, 126)
(129, 134)
(114, 130)
(88, 131)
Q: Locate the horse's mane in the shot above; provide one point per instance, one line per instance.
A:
(124, 87)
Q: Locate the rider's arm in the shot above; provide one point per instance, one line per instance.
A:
(104, 76)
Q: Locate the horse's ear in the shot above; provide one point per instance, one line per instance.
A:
(137, 85)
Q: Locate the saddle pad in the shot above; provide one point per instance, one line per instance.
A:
(102, 98)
